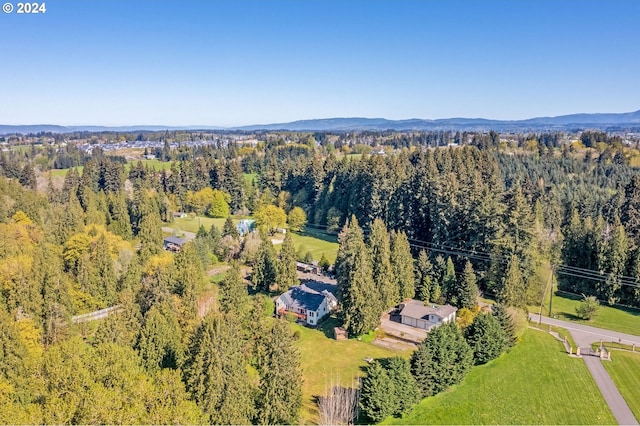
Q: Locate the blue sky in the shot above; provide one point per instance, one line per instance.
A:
(230, 63)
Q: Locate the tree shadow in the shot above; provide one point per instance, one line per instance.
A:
(318, 235)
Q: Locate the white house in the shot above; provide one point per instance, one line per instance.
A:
(416, 314)
(306, 303)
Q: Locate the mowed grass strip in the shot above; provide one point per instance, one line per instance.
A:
(608, 317)
(624, 369)
(190, 224)
(535, 383)
(326, 360)
(317, 243)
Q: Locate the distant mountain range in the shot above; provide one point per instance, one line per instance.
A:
(563, 122)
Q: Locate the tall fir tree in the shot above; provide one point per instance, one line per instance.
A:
(402, 264)
(279, 395)
(119, 222)
(380, 253)
(449, 283)
(512, 289)
(378, 394)
(506, 322)
(360, 300)
(216, 374)
(424, 280)
(265, 269)
(160, 340)
(287, 272)
(233, 296)
(103, 263)
(467, 289)
(229, 228)
(407, 392)
(150, 235)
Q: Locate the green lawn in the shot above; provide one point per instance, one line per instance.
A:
(624, 370)
(608, 317)
(317, 243)
(192, 224)
(154, 164)
(535, 383)
(63, 172)
(325, 359)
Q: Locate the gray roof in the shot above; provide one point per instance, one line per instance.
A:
(303, 297)
(175, 240)
(420, 311)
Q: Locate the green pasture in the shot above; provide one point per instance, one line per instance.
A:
(535, 383)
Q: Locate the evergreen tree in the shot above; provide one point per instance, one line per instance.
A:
(402, 264)
(150, 235)
(229, 228)
(324, 262)
(279, 395)
(160, 341)
(449, 283)
(28, 177)
(442, 359)
(216, 374)
(287, 273)
(630, 211)
(131, 279)
(119, 222)
(103, 263)
(265, 269)
(378, 394)
(380, 253)
(360, 300)
(486, 337)
(467, 294)
(188, 280)
(407, 392)
(233, 296)
(512, 290)
(424, 274)
(506, 323)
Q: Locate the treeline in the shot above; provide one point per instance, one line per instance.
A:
(163, 357)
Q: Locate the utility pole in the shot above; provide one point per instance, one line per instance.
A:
(549, 284)
(553, 271)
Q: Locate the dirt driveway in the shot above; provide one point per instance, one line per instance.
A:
(402, 331)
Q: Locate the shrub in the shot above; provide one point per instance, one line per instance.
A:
(588, 308)
(290, 317)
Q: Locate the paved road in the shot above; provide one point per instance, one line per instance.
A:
(584, 336)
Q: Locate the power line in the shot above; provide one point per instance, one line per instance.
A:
(560, 269)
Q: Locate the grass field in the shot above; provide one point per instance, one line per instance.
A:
(63, 172)
(317, 243)
(154, 164)
(192, 224)
(624, 370)
(535, 383)
(325, 359)
(608, 317)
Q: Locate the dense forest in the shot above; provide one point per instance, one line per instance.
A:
(416, 219)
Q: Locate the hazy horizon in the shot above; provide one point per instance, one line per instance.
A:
(232, 64)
